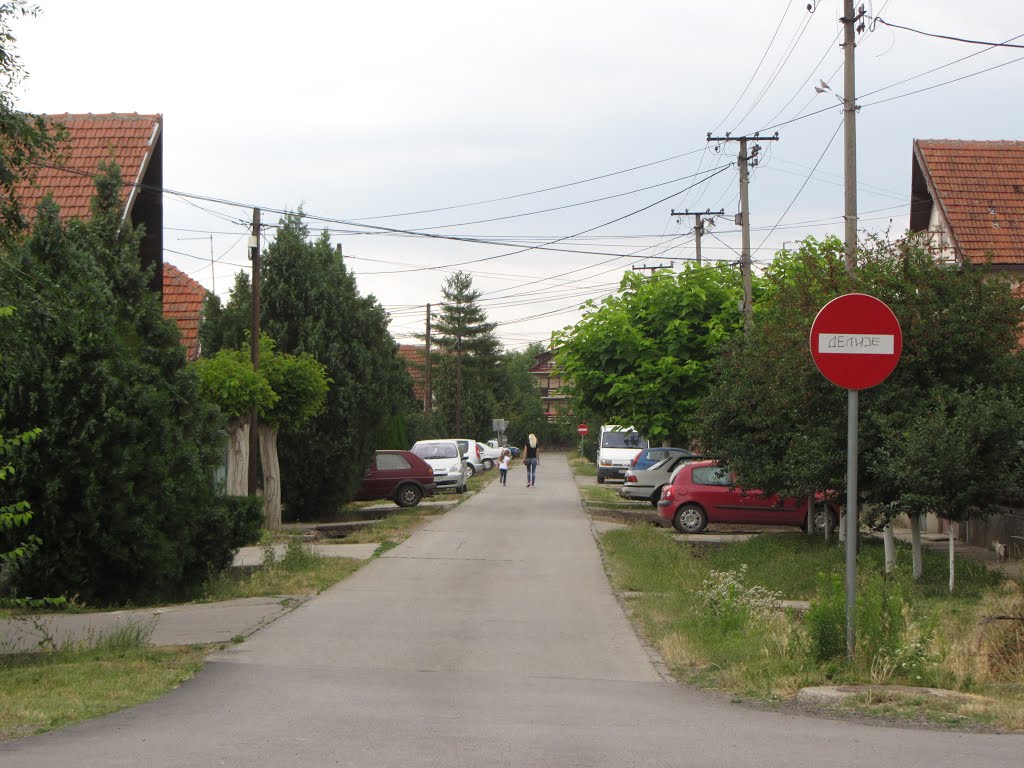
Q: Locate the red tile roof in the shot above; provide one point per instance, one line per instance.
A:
(127, 138)
(414, 356)
(183, 303)
(979, 186)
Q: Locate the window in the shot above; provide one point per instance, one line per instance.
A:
(711, 476)
(436, 451)
(391, 461)
(622, 440)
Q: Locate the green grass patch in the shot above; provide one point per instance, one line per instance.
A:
(300, 571)
(581, 465)
(713, 613)
(605, 497)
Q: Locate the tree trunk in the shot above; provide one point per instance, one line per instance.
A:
(842, 526)
(238, 458)
(890, 547)
(953, 529)
(810, 514)
(271, 476)
(828, 524)
(915, 545)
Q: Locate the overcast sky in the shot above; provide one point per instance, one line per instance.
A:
(365, 110)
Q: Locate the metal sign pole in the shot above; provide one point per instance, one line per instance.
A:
(852, 522)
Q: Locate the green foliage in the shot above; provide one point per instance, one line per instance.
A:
(228, 381)
(25, 140)
(242, 518)
(826, 619)
(227, 327)
(942, 426)
(644, 356)
(299, 384)
(310, 304)
(120, 480)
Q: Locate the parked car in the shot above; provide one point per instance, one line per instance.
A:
(616, 448)
(489, 454)
(401, 476)
(492, 443)
(648, 457)
(704, 492)
(448, 462)
(646, 484)
(472, 453)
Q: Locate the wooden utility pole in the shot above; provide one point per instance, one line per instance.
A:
(427, 396)
(744, 162)
(254, 343)
(652, 268)
(699, 222)
(458, 386)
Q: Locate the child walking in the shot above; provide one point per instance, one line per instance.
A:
(506, 460)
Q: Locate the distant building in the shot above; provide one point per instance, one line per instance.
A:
(550, 380)
(415, 356)
(135, 142)
(183, 301)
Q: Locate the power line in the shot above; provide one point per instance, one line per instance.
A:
(880, 20)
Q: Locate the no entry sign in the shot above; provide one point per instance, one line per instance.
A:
(856, 341)
(583, 429)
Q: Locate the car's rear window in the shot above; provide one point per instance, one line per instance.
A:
(711, 476)
(391, 461)
(436, 450)
(622, 440)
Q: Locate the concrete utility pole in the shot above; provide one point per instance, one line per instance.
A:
(699, 223)
(744, 161)
(427, 396)
(850, 28)
(254, 343)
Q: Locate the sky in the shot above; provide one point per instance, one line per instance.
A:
(562, 134)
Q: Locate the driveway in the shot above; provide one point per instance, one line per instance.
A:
(489, 638)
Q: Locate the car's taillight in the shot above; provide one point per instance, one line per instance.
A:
(666, 493)
(478, 452)
(631, 478)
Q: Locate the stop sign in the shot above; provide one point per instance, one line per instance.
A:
(856, 341)
(583, 429)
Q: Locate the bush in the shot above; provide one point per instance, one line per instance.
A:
(232, 522)
(826, 619)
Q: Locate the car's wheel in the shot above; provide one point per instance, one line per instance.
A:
(470, 471)
(819, 519)
(461, 489)
(600, 479)
(408, 495)
(690, 518)
(488, 464)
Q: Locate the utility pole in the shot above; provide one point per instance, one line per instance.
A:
(850, 29)
(254, 343)
(744, 162)
(427, 396)
(458, 385)
(699, 222)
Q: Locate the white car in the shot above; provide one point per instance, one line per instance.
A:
(646, 484)
(472, 453)
(490, 455)
(445, 457)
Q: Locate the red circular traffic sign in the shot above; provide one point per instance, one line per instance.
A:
(583, 429)
(856, 341)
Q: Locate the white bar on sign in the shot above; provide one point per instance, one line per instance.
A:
(856, 343)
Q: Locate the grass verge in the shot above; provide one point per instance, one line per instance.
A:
(106, 673)
(713, 613)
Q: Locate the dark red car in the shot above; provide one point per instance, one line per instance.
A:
(401, 476)
(703, 492)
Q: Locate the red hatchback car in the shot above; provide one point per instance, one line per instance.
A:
(703, 492)
(401, 476)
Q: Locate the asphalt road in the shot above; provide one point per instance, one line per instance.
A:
(490, 638)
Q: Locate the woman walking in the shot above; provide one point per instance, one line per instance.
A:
(531, 457)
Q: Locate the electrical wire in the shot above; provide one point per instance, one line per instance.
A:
(880, 20)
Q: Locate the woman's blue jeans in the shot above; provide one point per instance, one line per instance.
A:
(531, 471)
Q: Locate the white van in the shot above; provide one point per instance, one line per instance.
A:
(616, 447)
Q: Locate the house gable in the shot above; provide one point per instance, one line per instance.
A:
(183, 303)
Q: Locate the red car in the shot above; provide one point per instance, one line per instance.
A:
(703, 492)
(401, 476)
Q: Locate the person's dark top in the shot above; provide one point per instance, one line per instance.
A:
(531, 452)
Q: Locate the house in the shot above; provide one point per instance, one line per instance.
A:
(969, 197)
(135, 142)
(183, 300)
(550, 380)
(414, 356)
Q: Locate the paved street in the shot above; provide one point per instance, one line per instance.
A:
(490, 638)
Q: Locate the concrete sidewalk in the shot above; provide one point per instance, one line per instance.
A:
(183, 624)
